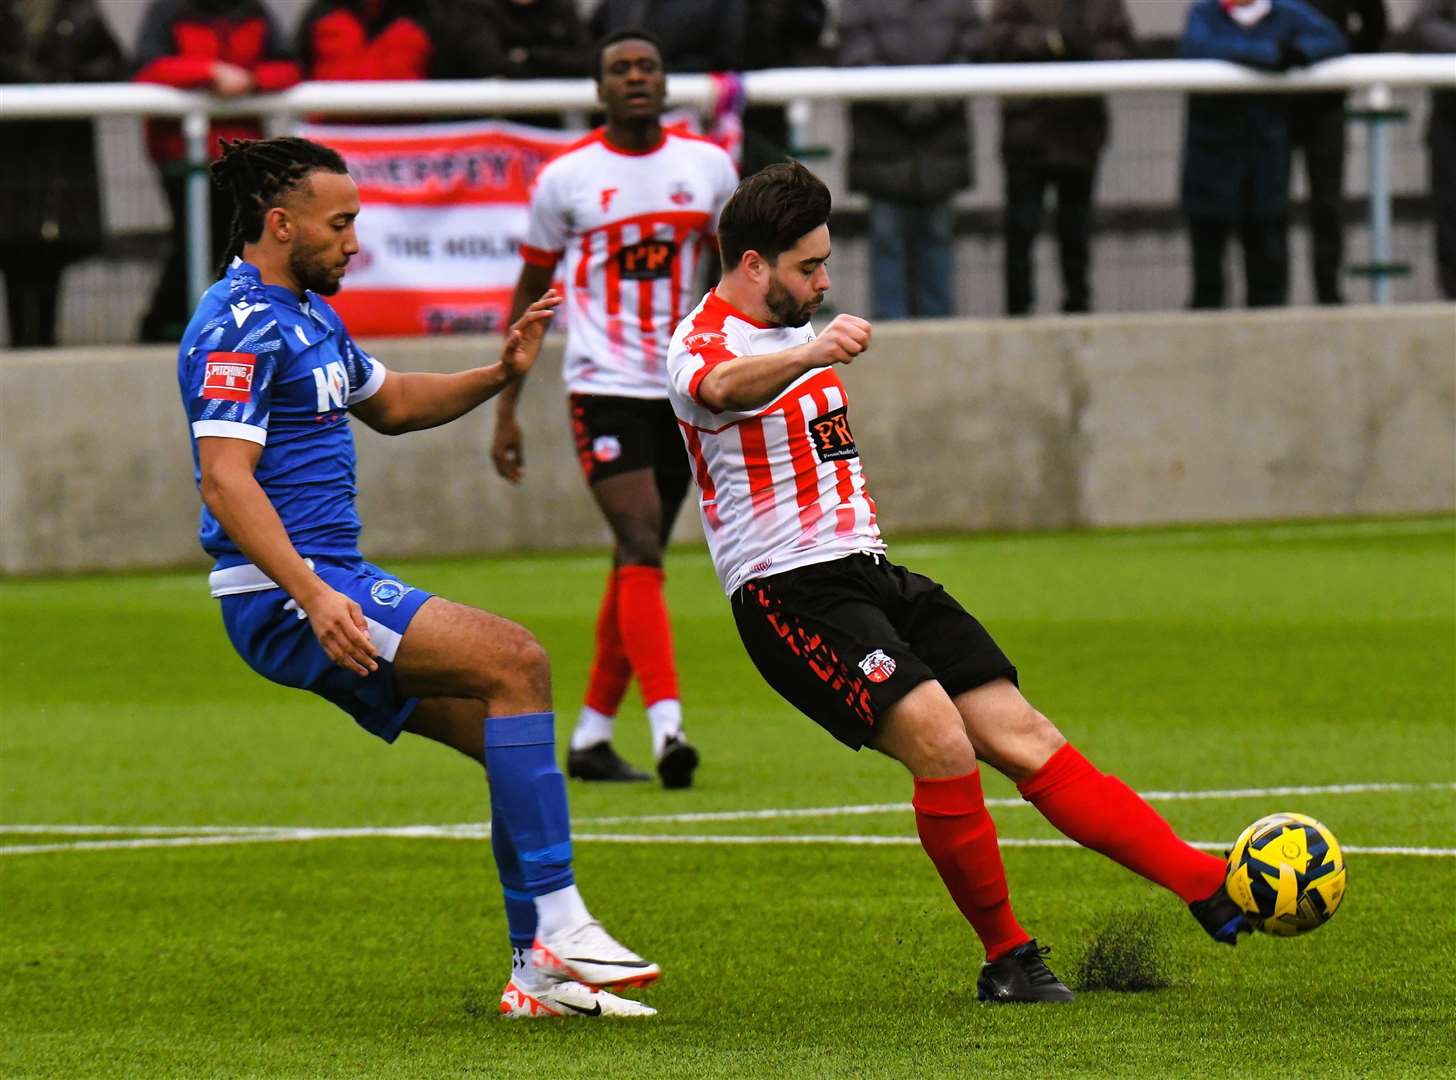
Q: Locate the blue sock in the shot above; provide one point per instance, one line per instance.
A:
(520, 907)
(528, 802)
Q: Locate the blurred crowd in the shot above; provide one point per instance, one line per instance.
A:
(910, 159)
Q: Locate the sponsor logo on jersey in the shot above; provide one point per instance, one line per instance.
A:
(647, 260)
(228, 376)
(700, 340)
(680, 194)
(607, 194)
(877, 666)
(832, 437)
(388, 593)
(606, 448)
(332, 384)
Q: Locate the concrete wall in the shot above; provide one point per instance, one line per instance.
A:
(1104, 420)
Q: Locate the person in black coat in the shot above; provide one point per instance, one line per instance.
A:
(1236, 146)
(50, 199)
(1053, 143)
(1434, 30)
(1317, 132)
(910, 157)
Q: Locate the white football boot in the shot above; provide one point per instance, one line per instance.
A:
(526, 1000)
(588, 954)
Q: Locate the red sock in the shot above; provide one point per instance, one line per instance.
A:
(611, 671)
(1102, 813)
(960, 838)
(646, 635)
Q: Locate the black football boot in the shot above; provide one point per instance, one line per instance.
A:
(1021, 975)
(1221, 917)
(600, 762)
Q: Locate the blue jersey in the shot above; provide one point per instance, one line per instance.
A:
(259, 363)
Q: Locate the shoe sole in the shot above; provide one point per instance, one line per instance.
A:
(677, 767)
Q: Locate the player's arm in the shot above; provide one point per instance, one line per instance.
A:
(506, 447)
(412, 401)
(746, 382)
(243, 509)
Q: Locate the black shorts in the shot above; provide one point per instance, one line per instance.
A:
(620, 434)
(843, 641)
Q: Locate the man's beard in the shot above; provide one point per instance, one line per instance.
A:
(782, 307)
(311, 273)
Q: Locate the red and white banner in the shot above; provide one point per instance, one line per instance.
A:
(443, 211)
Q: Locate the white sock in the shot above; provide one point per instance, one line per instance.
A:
(592, 727)
(665, 716)
(563, 909)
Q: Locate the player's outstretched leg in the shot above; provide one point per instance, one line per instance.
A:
(592, 756)
(1094, 809)
(455, 652)
(923, 732)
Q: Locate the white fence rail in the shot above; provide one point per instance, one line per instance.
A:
(796, 87)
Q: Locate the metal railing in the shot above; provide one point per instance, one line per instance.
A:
(798, 88)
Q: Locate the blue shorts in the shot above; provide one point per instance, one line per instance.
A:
(274, 638)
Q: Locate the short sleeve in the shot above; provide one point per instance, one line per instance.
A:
(546, 231)
(229, 377)
(701, 351)
(366, 374)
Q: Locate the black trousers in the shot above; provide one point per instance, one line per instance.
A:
(33, 290)
(1266, 260)
(169, 310)
(1317, 132)
(1443, 196)
(1026, 188)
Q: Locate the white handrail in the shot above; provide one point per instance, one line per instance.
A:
(481, 96)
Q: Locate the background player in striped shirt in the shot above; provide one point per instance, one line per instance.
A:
(876, 654)
(630, 209)
(269, 377)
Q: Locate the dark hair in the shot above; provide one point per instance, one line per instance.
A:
(256, 173)
(627, 33)
(770, 211)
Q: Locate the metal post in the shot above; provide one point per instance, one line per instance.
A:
(800, 114)
(1378, 158)
(195, 127)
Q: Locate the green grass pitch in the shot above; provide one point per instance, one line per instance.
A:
(1183, 660)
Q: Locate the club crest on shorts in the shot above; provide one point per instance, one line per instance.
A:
(606, 448)
(877, 666)
(389, 592)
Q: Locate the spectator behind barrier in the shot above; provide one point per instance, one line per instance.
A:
(1433, 29)
(542, 39)
(231, 48)
(910, 157)
(1236, 147)
(1317, 131)
(785, 34)
(696, 35)
(50, 201)
(365, 39)
(1053, 142)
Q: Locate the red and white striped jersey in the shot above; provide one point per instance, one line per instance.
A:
(781, 486)
(632, 227)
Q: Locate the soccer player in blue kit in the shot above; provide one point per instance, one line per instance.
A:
(269, 376)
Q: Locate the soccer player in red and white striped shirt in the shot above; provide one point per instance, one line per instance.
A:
(876, 654)
(630, 209)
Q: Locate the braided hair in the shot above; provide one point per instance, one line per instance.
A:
(256, 173)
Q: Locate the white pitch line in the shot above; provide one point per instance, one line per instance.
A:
(900, 808)
(451, 832)
(471, 830)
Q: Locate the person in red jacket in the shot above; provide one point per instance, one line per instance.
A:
(227, 47)
(365, 39)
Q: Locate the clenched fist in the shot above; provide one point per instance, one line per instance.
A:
(843, 339)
